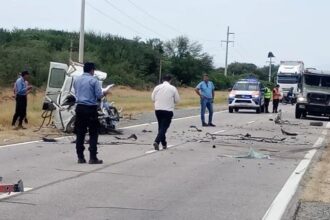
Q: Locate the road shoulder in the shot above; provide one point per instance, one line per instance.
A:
(313, 200)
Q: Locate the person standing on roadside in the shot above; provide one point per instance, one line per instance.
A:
(164, 96)
(21, 89)
(88, 91)
(268, 96)
(276, 98)
(205, 90)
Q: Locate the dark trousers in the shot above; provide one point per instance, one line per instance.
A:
(267, 100)
(275, 105)
(164, 119)
(20, 110)
(86, 117)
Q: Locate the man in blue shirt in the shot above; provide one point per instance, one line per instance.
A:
(21, 90)
(88, 91)
(205, 90)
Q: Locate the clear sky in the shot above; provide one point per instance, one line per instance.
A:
(291, 29)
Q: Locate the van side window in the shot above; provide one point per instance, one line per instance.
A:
(57, 77)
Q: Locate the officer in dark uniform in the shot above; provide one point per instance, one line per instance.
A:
(88, 91)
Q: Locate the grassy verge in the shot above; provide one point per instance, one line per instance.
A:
(130, 100)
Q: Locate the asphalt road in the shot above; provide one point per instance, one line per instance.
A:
(190, 180)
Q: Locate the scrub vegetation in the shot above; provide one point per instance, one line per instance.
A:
(133, 63)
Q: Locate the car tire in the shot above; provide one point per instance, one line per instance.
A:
(262, 108)
(230, 110)
(236, 109)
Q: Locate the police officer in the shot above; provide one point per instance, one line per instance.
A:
(268, 96)
(21, 89)
(88, 91)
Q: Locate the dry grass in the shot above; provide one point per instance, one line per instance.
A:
(316, 184)
(131, 101)
(134, 101)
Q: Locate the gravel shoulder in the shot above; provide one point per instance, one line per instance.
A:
(314, 202)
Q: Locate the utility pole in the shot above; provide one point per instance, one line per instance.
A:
(71, 48)
(160, 70)
(227, 42)
(82, 32)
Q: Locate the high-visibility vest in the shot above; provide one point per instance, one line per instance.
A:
(268, 93)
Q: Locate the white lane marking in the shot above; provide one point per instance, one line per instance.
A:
(283, 198)
(217, 132)
(154, 151)
(18, 144)
(250, 122)
(175, 119)
(6, 195)
(123, 128)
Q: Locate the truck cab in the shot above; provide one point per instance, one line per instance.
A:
(288, 76)
(314, 98)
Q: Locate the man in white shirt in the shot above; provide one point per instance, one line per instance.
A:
(164, 96)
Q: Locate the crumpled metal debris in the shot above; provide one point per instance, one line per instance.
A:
(288, 133)
(252, 154)
(197, 129)
(45, 139)
(132, 136)
(248, 137)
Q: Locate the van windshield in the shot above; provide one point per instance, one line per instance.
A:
(245, 86)
(315, 80)
(287, 79)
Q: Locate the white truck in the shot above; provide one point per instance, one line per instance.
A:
(288, 76)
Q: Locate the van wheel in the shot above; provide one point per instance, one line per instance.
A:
(236, 109)
(230, 110)
(70, 127)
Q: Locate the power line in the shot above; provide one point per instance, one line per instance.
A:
(113, 19)
(134, 20)
(153, 17)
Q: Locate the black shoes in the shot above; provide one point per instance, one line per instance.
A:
(156, 146)
(208, 125)
(95, 161)
(81, 160)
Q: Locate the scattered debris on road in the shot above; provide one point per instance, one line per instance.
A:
(146, 131)
(197, 129)
(248, 137)
(9, 188)
(132, 136)
(288, 133)
(316, 123)
(45, 139)
(252, 154)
